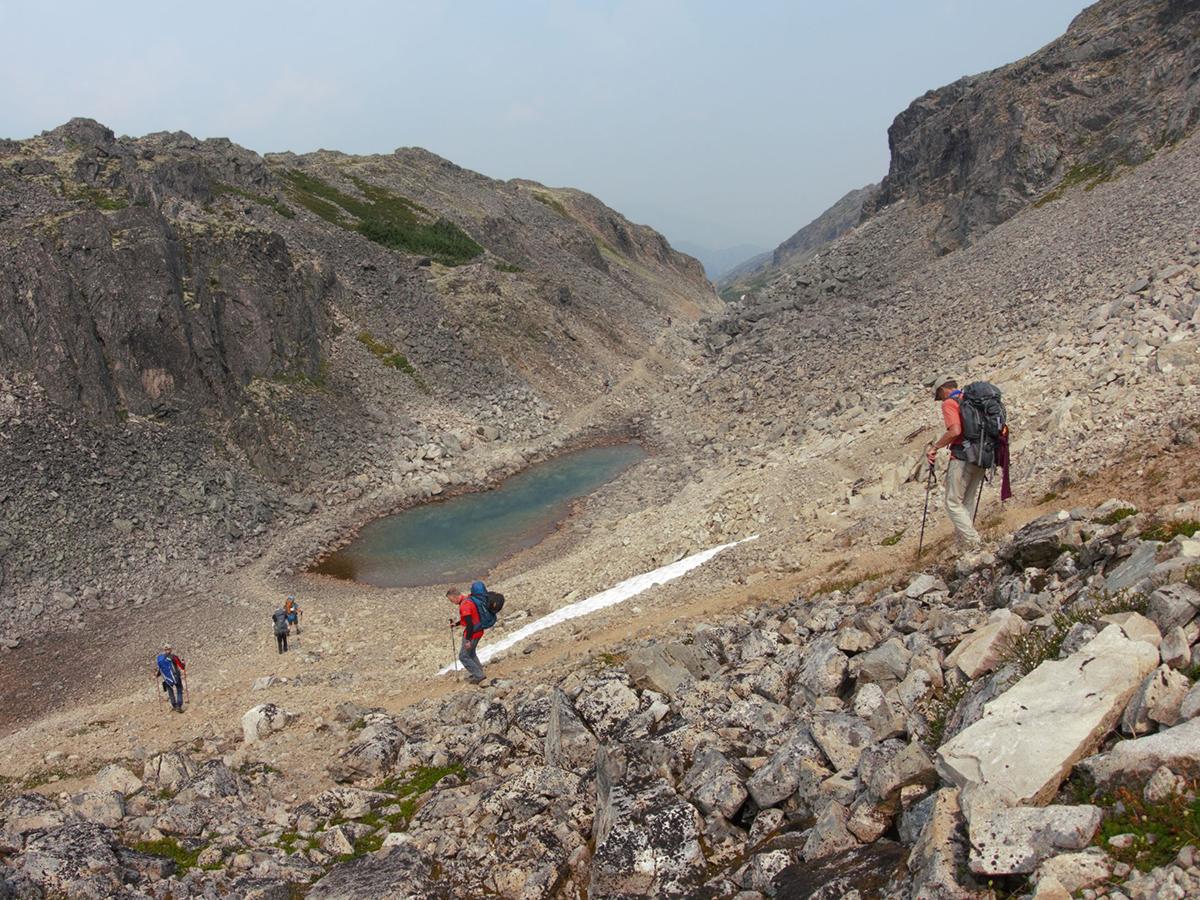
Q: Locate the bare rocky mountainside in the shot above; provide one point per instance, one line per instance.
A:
(215, 366)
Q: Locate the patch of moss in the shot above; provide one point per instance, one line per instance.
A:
(168, 846)
(100, 199)
(1047, 497)
(554, 203)
(941, 710)
(410, 785)
(894, 539)
(1159, 830)
(507, 267)
(1088, 175)
(1117, 515)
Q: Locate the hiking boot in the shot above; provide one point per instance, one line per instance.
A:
(477, 681)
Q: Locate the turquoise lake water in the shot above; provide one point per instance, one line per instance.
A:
(459, 539)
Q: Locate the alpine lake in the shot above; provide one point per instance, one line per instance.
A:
(460, 538)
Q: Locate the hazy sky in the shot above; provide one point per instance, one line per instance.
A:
(713, 121)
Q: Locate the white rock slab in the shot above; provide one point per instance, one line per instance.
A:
(980, 652)
(1030, 736)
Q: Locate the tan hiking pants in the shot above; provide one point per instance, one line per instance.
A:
(962, 490)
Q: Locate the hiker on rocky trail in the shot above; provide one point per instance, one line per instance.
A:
(963, 479)
(170, 668)
(280, 619)
(475, 613)
(293, 612)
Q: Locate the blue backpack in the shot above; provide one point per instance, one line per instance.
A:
(166, 667)
(481, 597)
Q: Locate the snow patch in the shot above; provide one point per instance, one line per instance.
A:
(630, 587)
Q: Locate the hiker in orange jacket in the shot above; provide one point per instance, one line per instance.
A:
(468, 618)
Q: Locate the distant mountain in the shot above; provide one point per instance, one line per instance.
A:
(800, 247)
(717, 262)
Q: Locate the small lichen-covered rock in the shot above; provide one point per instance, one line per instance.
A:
(25, 815)
(372, 753)
(102, 807)
(823, 672)
(569, 743)
(1015, 841)
(1157, 701)
(117, 778)
(168, 770)
(1131, 763)
(713, 784)
(829, 835)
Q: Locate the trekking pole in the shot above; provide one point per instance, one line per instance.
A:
(978, 500)
(929, 483)
(453, 655)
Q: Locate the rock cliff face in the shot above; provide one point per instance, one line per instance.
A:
(311, 318)
(801, 246)
(1120, 85)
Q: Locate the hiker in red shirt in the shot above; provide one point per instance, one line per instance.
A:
(468, 618)
(962, 478)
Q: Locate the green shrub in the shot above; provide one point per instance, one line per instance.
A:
(1165, 531)
(390, 356)
(1028, 651)
(388, 219)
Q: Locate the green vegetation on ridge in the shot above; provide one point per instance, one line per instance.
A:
(387, 219)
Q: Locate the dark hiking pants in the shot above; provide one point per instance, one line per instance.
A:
(468, 658)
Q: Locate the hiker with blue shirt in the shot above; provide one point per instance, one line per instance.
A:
(170, 668)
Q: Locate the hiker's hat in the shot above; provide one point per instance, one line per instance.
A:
(166, 646)
(939, 382)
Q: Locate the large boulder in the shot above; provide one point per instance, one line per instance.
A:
(1039, 543)
(647, 837)
(77, 860)
(650, 668)
(168, 771)
(25, 815)
(262, 720)
(1030, 736)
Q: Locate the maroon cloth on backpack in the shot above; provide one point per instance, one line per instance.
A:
(1002, 461)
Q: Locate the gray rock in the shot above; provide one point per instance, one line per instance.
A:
(797, 764)
(829, 835)
(1039, 543)
(1015, 841)
(168, 771)
(372, 753)
(1131, 763)
(25, 815)
(117, 778)
(607, 707)
(261, 721)
(1175, 650)
(938, 861)
(1157, 701)
(823, 672)
(886, 665)
(76, 860)
(1173, 605)
(713, 784)
(1134, 570)
(842, 738)
(101, 807)
(212, 780)
(402, 872)
(651, 669)
(1190, 707)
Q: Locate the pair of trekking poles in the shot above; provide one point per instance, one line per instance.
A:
(930, 484)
